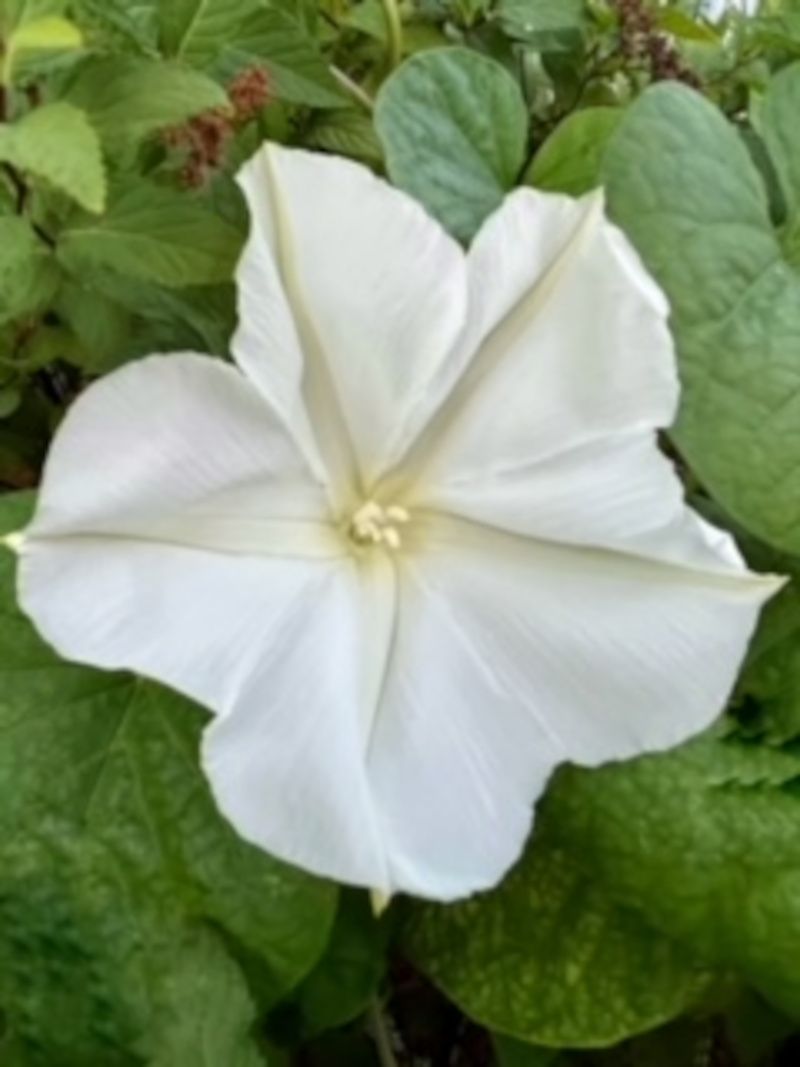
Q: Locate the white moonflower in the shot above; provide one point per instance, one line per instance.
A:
(417, 547)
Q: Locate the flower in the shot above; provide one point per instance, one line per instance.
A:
(418, 547)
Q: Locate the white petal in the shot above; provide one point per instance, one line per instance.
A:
(175, 516)
(567, 343)
(195, 619)
(288, 765)
(377, 291)
(617, 493)
(290, 653)
(168, 438)
(511, 657)
(574, 457)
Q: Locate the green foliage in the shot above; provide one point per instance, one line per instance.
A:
(279, 39)
(58, 144)
(656, 909)
(682, 184)
(454, 127)
(94, 969)
(48, 34)
(571, 159)
(114, 759)
(128, 98)
(704, 842)
(193, 30)
(28, 274)
(345, 981)
(542, 22)
(575, 978)
(153, 233)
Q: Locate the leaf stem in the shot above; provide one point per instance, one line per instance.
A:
(353, 88)
(380, 1033)
(394, 26)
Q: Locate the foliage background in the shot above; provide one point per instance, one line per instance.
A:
(655, 917)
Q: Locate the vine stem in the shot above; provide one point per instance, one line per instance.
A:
(353, 88)
(380, 1032)
(394, 25)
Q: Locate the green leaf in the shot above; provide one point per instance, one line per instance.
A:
(778, 128)
(369, 18)
(278, 41)
(15, 13)
(93, 968)
(571, 159)
(345, 980)
(347, 132)
(705, 842)
(551, 958)
(454, 126)
(123, 25)
(127, 98)
(117, 757)
(198, 318)
(101, 326)
(685, 28)
(682, 184)
(224, 34)
(57, 144)
(155, 234)
(29, 274)
(533, 20)
(419, 34)
(194, 30)
(306, 11)
(211, 1018)
(49, 34)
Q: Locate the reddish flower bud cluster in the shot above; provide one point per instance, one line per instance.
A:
(642, 42)
(204, 140)
(249, 93)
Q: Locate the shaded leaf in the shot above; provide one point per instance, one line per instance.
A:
(193, 30)
(454, 126)
(93, 970)
(156, 234)
(571, 159)
(682, 184)
(128, 98)
(29, 274)
(278, 41)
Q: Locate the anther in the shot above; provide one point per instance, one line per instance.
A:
(373, 524)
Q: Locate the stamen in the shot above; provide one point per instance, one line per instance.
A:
(374, 524)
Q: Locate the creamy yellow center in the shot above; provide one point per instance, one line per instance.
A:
(374, 524)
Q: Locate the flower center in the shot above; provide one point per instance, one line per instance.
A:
(374, 524)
